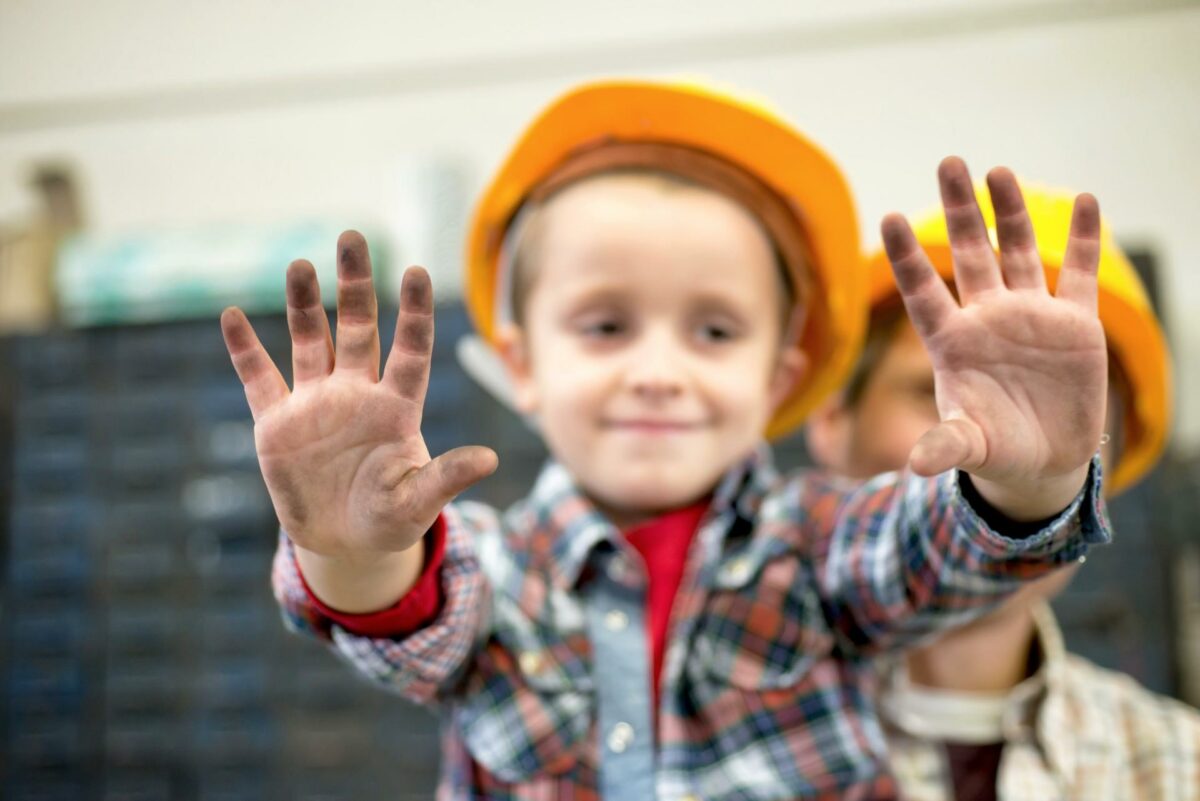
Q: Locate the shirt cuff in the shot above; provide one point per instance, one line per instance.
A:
(1084, 522)
(419, 607)
(997, 520)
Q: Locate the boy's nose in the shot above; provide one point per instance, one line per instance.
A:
(655, 371)
(653, 387)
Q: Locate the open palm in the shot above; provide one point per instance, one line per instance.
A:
(342, 453)
(1020, 374)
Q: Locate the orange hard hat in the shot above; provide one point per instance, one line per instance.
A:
(734, 130)
(1135, 338)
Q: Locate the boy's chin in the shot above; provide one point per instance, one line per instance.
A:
(637, 499)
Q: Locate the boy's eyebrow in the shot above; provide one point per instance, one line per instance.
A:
(709, 301)
(590, 292)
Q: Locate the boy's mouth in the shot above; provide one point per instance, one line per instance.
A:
(643, 425)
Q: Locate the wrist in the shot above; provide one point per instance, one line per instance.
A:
(1026, 501)
(361, 584)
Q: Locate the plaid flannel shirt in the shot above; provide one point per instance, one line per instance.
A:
(1072, 732)
(793, 585)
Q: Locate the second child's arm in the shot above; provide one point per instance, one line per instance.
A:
(342, 455)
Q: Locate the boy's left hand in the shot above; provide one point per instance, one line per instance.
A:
(1020, 374)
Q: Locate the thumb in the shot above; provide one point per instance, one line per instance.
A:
(955, 443)
(429, 488)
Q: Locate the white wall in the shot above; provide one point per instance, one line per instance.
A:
(185, 113)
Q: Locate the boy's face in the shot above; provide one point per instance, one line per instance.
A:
(897, 406)
(651, 350)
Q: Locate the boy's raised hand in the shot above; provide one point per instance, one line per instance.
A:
(342, 452)
(1020, 374)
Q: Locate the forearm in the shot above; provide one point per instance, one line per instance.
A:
(361, 586)
(419, 645)
(931, 561)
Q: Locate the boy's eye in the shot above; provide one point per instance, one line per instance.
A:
(715, 332)
(602, 328)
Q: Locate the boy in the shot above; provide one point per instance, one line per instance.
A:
(998, 709)
(669, 272)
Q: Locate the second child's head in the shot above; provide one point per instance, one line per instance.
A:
(651, 312)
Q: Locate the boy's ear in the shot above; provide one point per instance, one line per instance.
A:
(512, 347)
(827, 434)
(789, 369)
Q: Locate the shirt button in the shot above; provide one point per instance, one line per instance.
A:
(616, 620)
(620, 737)
(738, 570)
(618, 569)
(530, 662)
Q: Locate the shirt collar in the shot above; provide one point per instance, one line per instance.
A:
(1022, 709)
(1055, 733)
(573, 529)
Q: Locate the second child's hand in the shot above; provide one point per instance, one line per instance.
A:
(1020, 374)
(342, 454)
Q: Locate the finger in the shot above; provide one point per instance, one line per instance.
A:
(260, 377)
(975, 267)
(1019, 258)
(1077, 280)
(407, 369)
(427, 490)
(312, 344)
(357, 328)
(950, 444)
(926, 296)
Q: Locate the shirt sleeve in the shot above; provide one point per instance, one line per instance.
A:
(903, 556)
(421, 647)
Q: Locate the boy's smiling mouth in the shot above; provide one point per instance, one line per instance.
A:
(648, 425)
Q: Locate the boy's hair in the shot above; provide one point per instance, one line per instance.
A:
(526, 232)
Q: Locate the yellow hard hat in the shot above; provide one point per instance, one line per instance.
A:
(733, 131)
(1135, 338)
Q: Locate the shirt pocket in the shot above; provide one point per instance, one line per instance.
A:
(763, 626)
(528, 706)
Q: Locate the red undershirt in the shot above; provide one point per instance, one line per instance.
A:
(662, 542)
(419, 607)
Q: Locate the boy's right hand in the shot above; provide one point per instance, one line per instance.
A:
(341, 453)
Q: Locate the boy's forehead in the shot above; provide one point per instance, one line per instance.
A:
(620, 188)
(622, 229)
